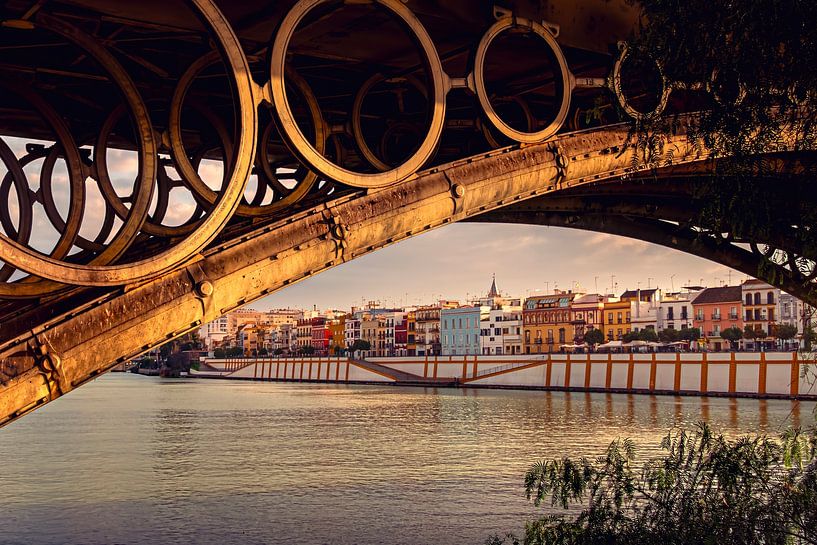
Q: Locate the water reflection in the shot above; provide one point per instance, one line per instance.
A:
(134, 459)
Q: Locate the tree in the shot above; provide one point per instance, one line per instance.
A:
(758, 97)
(691, 334)
(360, 345)
(732, 334)
(307, 350)
(809, 336)
(703, 489)
(785, 332)
(278, 351)
(219, 353)
(630, 336)
(594, 337)
(648, 334)
(669, 335)
(752, 334)
(263, 351)
(234, 352)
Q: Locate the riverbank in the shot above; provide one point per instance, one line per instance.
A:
(767, 375)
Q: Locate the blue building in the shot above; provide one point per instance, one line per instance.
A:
(460, 330)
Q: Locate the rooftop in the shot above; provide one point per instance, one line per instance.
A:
(724, 294)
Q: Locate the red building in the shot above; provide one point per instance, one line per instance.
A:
(401, 338)
(321, 336)
(716, 309)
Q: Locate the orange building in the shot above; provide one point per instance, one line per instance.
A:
(617, 318)
(547, 323)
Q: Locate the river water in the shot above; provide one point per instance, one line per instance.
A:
(132, 459)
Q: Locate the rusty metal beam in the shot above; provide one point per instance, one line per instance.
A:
(55, 357)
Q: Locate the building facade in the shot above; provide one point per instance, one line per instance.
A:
(547, 323)
(717, 309)
(460, 330)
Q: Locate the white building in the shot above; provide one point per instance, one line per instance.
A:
(675, 312)
(501, 331)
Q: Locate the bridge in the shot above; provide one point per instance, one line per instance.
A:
(167, 162)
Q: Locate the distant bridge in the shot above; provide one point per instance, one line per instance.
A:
(296, 146)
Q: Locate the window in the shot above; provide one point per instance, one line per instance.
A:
(628, 316)
(748, 298)
(670, 313)
(527, 336)
(757, 298)
(609, 317)
(618, 318)
(748, 315)
(771, 315)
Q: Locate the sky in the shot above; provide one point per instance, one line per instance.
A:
(458, 261)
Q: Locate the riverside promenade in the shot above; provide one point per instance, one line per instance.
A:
(735, 374)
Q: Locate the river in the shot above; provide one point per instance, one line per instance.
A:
(132, 459)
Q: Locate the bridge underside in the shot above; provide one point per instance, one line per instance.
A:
(166, 162)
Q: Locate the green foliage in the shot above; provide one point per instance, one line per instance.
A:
(234, 352)
(732, 334)
(755, 59)
(360, 345)
(630, 336)
(648, 335)
(809, 336)
(751, 333)
(307, 350)
(278, 351)
(705, 489)
(219, 353)
(690, 334)
(263, 351)
(785, 332)
(594, 336)
(669, 335)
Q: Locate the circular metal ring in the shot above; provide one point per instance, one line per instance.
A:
(357, 117)
(615, 86)
(299, 143)
(712, 87)
(490, 137)
(566, 80)
(99, 275)
(189, 173)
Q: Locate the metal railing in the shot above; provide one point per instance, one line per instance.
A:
(505, 367)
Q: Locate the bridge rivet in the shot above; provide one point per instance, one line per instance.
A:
(458, 190)
(204, 288)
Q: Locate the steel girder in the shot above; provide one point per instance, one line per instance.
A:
(89, 335)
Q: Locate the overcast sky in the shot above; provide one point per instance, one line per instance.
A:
(456, 261)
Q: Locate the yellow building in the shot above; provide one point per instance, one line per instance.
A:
(337, 333)
(616, 319)
(411, 333)
(547, 323)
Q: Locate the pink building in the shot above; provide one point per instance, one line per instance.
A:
(716, 309)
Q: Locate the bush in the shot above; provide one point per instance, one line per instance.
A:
(706, 489)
